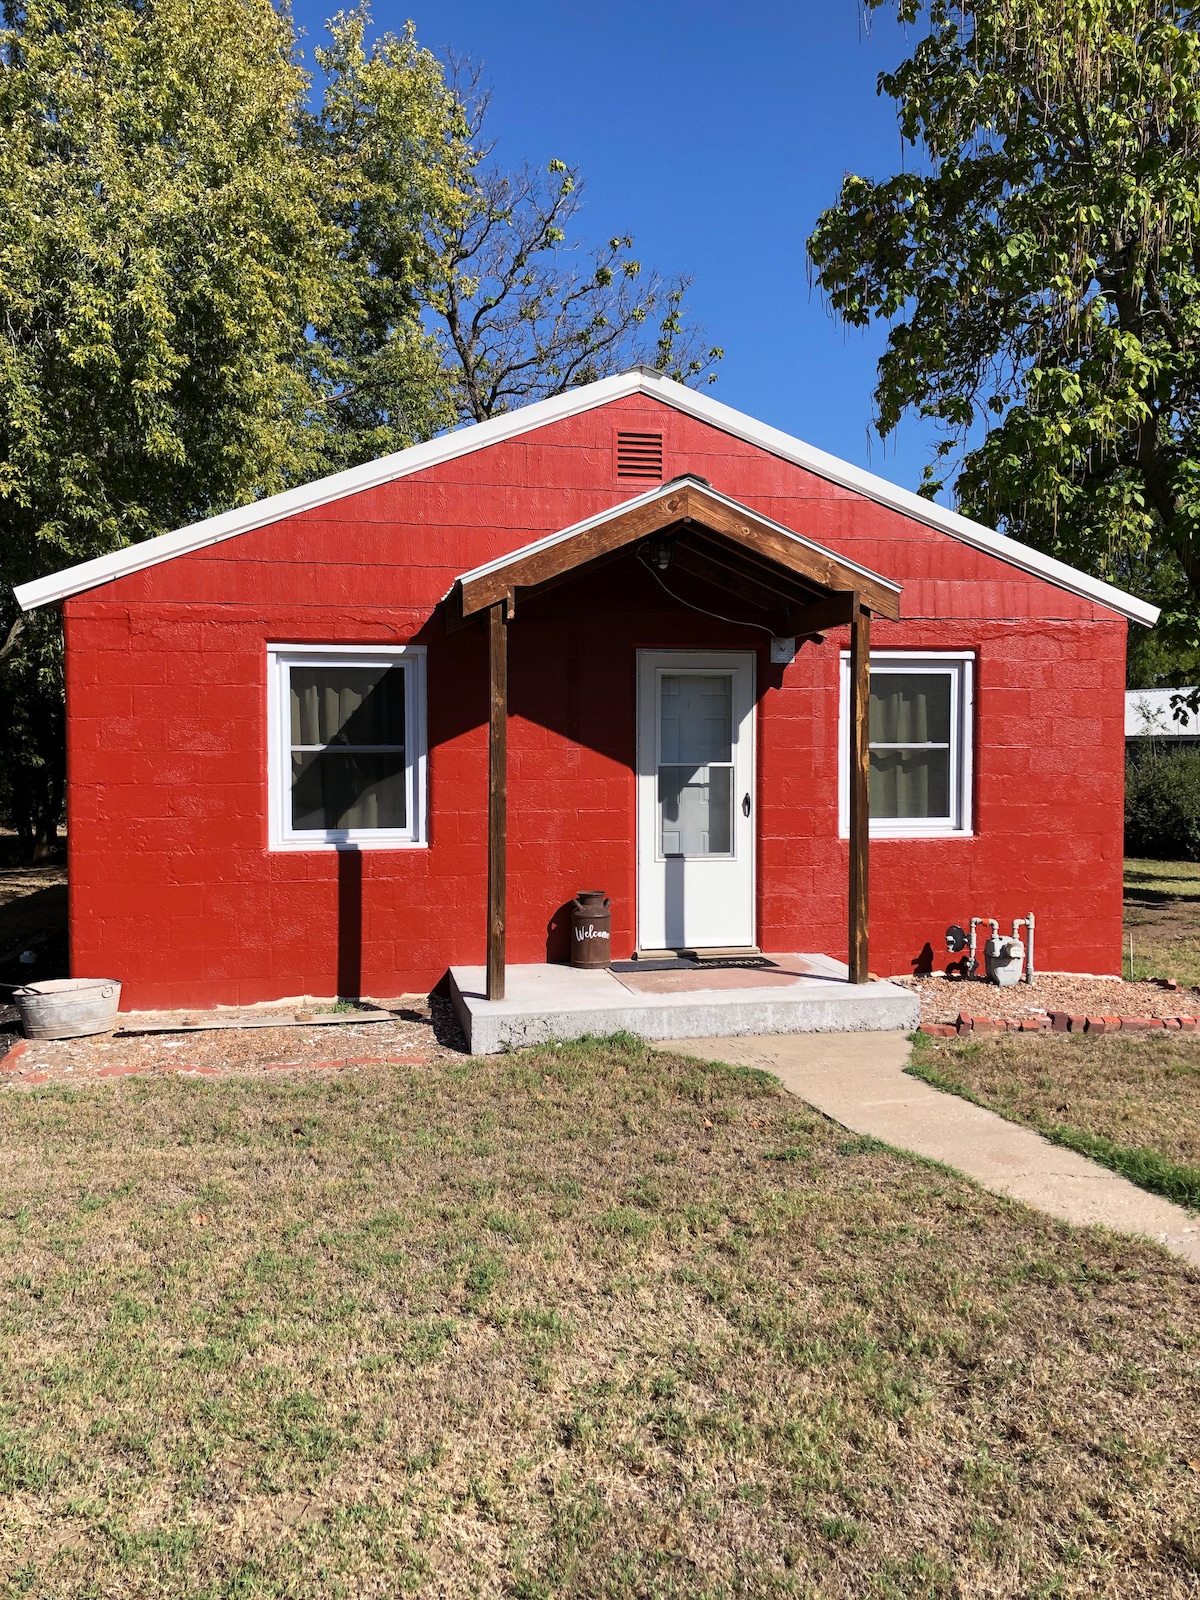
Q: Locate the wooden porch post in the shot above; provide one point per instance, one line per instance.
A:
(497, 796)
(860, 771)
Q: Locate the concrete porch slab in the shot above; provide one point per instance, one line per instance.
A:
(555, 1002)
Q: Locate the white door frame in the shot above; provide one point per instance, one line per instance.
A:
(651, 913)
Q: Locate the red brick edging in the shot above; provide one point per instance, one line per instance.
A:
(1056, 1022)
(8, 1061)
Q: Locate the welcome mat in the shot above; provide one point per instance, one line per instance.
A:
(690, 963)
(686, 979)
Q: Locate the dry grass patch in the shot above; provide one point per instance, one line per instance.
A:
(1162, 911)
(1140, 1096)
(587, 1321)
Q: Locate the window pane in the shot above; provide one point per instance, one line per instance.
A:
(338, 789)
(910, 708)
(910, 783)
(696, 810)
(347, 705)
(696, 718)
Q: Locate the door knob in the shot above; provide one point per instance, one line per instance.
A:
(746, 805)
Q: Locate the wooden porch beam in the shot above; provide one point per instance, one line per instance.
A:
(729, 581)
(763, 542)
(818, 567)
(835, 612)
(497, 798)
(860, 779)
(722, 560)
(531, 570)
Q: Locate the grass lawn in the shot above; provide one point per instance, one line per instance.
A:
(1162, 911)
(1132, 1103)
(586, 1322)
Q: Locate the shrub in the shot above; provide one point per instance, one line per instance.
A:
(1162, 806)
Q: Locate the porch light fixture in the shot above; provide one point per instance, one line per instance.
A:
(660, 552)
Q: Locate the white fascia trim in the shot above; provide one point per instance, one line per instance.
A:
(823, 465)
(648, 498)
(308, 496)
(639, 381)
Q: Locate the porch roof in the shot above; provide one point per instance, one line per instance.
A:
(716, 538)
(724, 542)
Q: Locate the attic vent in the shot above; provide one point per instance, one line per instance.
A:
(640, 455)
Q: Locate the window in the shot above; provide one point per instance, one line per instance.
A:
(695, 763)
(920, 734)
(347, 746)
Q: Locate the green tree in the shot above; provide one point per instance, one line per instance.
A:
(212, 288)
(1039, 274)
(526, 312)
(161, 255)
(397, 161)
(196, 288)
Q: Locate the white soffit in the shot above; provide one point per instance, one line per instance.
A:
(640, 381)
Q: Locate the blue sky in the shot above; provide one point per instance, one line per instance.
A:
(714, 133)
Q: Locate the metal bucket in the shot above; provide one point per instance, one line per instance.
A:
(591, 926)
(68, 1008)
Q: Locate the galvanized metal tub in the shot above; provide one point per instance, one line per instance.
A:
(68, 1008)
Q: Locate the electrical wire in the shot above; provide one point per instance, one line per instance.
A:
(737, 622)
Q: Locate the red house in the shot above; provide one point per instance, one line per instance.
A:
(629, 628)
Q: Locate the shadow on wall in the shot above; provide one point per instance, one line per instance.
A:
(349, 930)
(674, 919)
(558, 935)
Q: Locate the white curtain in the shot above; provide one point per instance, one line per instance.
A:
(347, 706)
(336, 783)
(910, 709)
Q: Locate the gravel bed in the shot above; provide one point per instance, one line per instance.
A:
(420, 1029)
(943, 998)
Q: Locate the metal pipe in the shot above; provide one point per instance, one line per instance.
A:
(975, 921)
(1027, 924)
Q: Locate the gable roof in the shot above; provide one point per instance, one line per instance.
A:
(685, 500)
(640, 381)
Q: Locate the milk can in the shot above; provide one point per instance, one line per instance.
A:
(591, 926)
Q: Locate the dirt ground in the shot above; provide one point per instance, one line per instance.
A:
(419, 1031)
(33, 918)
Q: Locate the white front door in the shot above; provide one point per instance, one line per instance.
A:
(695, 799)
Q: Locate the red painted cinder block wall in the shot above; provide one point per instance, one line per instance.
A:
(174, 890)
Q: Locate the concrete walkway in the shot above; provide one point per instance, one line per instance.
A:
(858, 1079)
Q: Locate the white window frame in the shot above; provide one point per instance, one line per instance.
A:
(282, 835)
(959, 665)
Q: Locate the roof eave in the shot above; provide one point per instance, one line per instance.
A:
(640, 381)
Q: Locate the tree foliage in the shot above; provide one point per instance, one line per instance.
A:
(394, 164)
(216, 283)
(1040, 272)
(162, 252)
(528, 314)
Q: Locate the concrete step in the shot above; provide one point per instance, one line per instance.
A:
(803, 994)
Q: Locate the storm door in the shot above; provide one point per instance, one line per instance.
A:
(695, 800)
